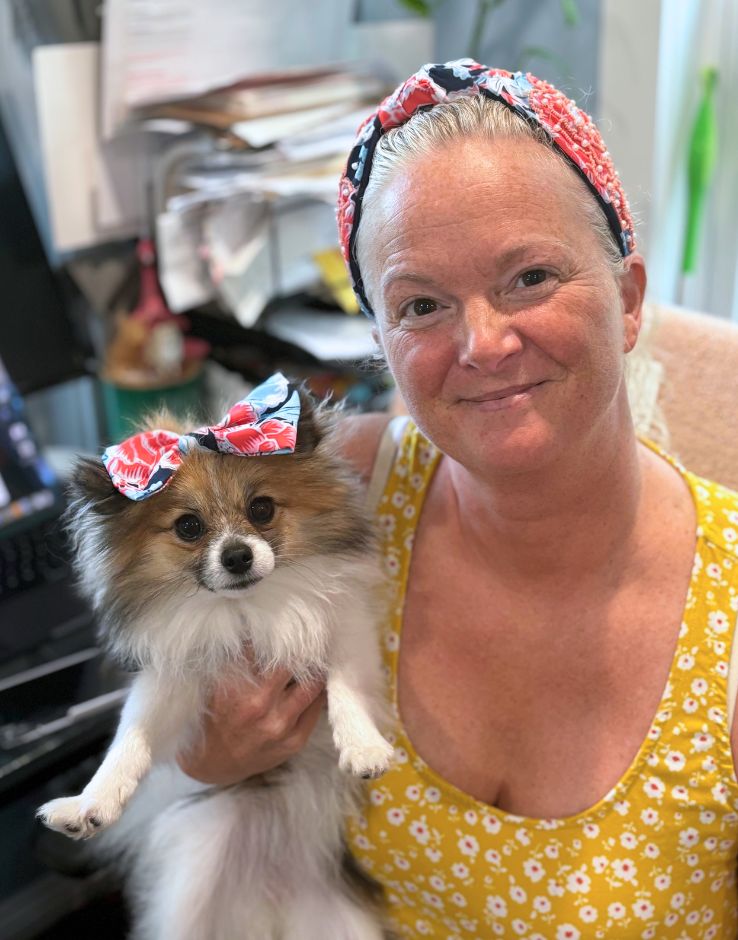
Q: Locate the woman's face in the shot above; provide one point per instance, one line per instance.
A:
(501, 322)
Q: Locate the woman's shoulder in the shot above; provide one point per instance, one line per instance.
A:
(358, 438)
(716, 505)
(717, 514)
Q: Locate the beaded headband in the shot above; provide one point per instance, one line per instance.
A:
(571, 131)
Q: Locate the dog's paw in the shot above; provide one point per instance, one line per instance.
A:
(78, 817)
(368, 761)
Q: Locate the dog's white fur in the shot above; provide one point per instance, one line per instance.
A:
(249, 861)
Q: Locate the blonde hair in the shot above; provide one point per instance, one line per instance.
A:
(482, 118)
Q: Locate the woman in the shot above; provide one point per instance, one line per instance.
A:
(565, 594)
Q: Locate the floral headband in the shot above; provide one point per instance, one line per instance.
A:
(571, 130)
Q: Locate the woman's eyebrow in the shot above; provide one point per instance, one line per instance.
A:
(518, 252)
(392, 277)
(507, 257)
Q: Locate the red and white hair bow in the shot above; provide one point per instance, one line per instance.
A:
(264, 422)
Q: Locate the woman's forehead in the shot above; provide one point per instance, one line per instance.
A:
(497, 194)
(520, 166)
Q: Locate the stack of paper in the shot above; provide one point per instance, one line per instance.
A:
(245, 225)
(255, 99)
(254, 218)
(330, 337)
(155, 52)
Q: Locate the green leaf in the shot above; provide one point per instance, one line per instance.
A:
(571, 12)
(421, 7)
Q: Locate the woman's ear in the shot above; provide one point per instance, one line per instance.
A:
(376, 336)
(632, 292)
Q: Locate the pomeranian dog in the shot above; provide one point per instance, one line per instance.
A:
(258, 541)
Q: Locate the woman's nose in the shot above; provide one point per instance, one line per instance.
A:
(488, 337)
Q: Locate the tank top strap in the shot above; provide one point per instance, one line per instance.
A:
(398, 509)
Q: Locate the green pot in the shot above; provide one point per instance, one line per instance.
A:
(125, 408)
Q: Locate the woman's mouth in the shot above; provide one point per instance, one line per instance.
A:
(499, 399)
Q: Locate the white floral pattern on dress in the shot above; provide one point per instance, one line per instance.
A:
(654, 858)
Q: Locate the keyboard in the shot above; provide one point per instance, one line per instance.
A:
(36, 556)
(41, 613)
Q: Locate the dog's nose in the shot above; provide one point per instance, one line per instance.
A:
(237, 559)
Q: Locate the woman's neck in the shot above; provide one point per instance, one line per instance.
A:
(574, 517)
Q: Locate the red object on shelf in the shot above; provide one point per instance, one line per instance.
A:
(195, 348)
(152, 308)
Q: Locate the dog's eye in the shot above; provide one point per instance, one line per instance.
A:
(189, 527)
(261, 510)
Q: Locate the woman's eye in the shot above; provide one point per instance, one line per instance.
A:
(422, 306)
(533, 277)
(261, 510)
(189, 527)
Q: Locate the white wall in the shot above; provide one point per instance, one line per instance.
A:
(651, 57)
(628, 65)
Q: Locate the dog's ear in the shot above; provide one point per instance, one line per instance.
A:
(91, 483)
(316, 419)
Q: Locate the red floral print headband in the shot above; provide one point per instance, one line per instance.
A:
(571, 130)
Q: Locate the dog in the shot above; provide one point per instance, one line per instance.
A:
(273, 552)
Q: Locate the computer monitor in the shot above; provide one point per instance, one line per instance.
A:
(39, 343)
(29, 488)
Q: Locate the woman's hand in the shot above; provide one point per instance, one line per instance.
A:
(252, 726)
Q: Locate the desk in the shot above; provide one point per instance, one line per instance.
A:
(43, 875)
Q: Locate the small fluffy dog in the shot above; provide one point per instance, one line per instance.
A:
(270, 553)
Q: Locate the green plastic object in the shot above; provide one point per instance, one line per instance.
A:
(702, 154)
(126, 407)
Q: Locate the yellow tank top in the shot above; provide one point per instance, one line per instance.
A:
(654, 858)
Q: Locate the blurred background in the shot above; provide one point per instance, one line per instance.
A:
(169, 175)
(168, 172)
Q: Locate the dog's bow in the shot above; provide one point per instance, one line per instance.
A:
(264, 422)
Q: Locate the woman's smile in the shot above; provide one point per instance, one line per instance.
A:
(513, 396)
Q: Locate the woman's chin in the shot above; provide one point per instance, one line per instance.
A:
(526, 448)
